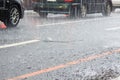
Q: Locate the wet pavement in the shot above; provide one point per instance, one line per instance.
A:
(59, 48)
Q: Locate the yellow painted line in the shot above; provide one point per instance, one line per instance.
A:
(86, 59)
(18, 44)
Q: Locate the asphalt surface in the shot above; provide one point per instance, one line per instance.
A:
(59, 48)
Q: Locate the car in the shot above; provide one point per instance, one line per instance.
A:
(116, 4)
(11, 11)
(73, 8)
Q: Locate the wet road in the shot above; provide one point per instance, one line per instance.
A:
(58, 48)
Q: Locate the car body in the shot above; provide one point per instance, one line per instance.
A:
(11, 11)
(116, 3)
(72, 7)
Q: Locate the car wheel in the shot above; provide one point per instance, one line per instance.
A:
(113, 9)
(13, 16)
(83, 11)
(73, 12)
(43, 15)
(107, 10)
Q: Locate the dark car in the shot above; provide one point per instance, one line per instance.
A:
(74, 8)
(11, 11)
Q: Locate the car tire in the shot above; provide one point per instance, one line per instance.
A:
(13, 16)
(43, 15)
(113, 9)
(73, 12)
(78, 12)
(83, 11)
(107, 10)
